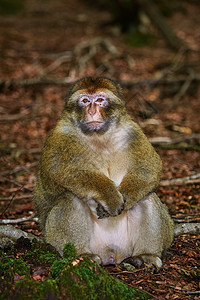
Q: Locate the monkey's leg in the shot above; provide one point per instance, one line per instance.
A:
(153, 233)
(69, 221)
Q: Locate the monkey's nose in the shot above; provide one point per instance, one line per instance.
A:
(92, 109)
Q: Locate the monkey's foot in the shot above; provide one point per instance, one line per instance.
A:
(93, 257)
(148, 259)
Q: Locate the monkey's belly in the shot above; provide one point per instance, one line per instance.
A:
(113, 238)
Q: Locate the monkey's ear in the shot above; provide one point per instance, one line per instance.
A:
(119, 90)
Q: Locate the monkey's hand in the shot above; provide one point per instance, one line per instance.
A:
(135, 188)
(101, 212)
(110, 208)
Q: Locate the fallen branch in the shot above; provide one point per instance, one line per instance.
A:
(183, 89)
(190, 142)
(179, 215)
(69, 80)
(10, 234)
(191, 228)
(152, 11)
(188, 292)
(16, 198)
(19, 169)
(60, 60)
(169, 141)
(193, 179)
(13, 117)
(19, 220)
(7, 206)
(21, 186)
(35, 81)
(186, 221)
(91, 48)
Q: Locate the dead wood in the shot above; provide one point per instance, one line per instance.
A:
(189, 142)
(39, 81)
(187, 228)
(19, 220)
(10, 234)
(158, 20)
(193, 179)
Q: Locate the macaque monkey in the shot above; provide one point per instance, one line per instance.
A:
(97, 179)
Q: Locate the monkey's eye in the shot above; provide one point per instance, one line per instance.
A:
(100, 100)
(85, 100)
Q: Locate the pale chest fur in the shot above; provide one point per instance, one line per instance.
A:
(111, 153)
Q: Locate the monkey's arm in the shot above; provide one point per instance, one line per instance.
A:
(68, 167)
(145, 168)
(87, 185)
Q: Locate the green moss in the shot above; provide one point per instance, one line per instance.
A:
(88, 280)
(69, 251)
(9, 266)
(42, 252)
(69, 254)
(75, 278)
(48, 257)
(12, 266)
(35, 290)
(58, 266)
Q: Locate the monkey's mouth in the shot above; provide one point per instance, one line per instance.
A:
(94, 126)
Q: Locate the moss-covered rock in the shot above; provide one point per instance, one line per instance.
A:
(26, 289)
(70, 277)
(87, 280)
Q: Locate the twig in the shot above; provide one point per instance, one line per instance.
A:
(91, 48)
(13, 117)
(19, 220)
(169, 141)
(178, 143)
(11, 200)
(56, 55)
(35, 81)
(70, 80)
(192, 228)
(184, 290)
(183, 89)
(16, 198)
(17, 183)
(56, 63)
(186, 221)
(19, 169)
(162, 80)
(193, 179)
(178, 215)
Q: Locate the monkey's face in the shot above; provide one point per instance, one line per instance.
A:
(98, 111)
(95, 104)
(93, 112)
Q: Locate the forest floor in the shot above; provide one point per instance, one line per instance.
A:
(45, 41)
